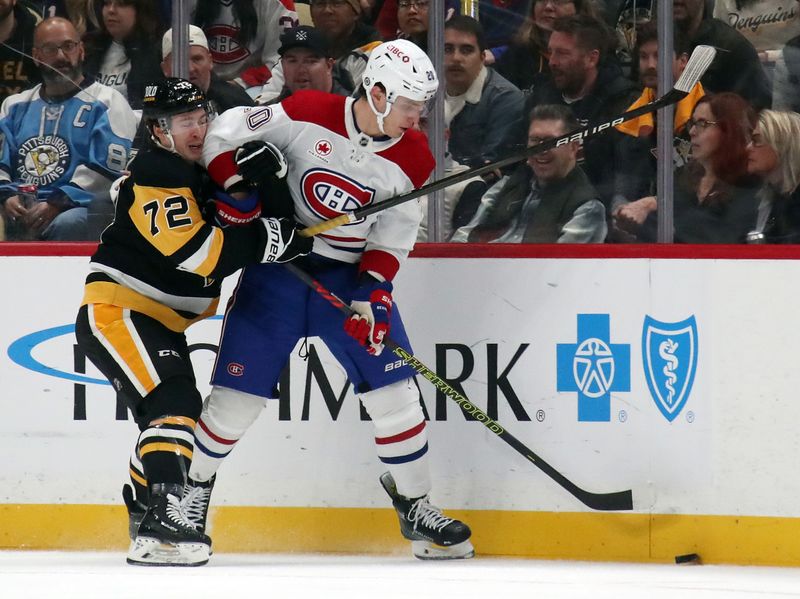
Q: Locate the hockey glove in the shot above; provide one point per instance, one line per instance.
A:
(260, 162)
(372, 302)
(233, 212)
(283, 241)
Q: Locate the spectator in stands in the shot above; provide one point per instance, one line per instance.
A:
(585, 76)
(390, 17)
(786, 78)
(527, 56)
(351, 40)
(736, 67)
(774, 155)
(68, 137)
(483, 110)
(641, 160)
(17, 69)
(412, 21)
(548, 199)
(243, 36)
(715, 198)
(500, 20)
(123, 53)
(223, 94)
(766, 24)
(307, 63)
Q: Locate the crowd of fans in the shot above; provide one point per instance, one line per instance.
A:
(73, 74)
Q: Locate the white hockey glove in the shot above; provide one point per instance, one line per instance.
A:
(260, 162)
(283, 242)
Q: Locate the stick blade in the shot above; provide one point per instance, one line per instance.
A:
(699, 61)
(607, 502)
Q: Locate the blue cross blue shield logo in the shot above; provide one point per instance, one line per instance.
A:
(593, 367)
(669, 355)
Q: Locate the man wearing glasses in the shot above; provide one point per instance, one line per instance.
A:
(66, 140)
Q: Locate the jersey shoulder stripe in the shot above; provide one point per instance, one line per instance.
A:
(413, 156)
(312, 106)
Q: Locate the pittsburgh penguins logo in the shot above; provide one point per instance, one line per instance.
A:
(43, 160)
(330, 194)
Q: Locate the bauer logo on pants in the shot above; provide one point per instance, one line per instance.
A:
(669, 356)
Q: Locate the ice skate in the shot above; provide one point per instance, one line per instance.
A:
(166, 537)
(136, 510)
(432, 534)
(195, 502)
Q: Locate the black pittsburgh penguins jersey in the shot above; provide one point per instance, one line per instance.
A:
(160, 256)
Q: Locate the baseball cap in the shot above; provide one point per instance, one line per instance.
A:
(196, 38)
(304, 37)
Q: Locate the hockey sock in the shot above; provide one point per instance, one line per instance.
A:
(138, 479)
(226, 416)
(165, 447)
(400, 435)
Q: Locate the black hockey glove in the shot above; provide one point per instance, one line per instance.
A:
(260, 162)
(283, 241)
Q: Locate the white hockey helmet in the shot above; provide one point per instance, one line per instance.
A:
(402, 69)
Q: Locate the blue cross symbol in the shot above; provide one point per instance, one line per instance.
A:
(593, 367)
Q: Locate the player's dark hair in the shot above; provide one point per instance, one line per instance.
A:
(468, 25)
(244, 13)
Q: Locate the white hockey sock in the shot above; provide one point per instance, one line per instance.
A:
(227, 414)
(401, 435)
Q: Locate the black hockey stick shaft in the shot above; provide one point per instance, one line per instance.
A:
(699, 62)
(617, 501)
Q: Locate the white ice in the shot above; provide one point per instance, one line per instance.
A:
(79, 575)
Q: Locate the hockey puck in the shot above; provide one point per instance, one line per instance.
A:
(687, 558)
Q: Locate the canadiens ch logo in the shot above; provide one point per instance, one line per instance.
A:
(331, 194)
(43, 160)
(235, 369)
(222, 41)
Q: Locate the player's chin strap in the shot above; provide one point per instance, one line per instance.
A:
(380, 115)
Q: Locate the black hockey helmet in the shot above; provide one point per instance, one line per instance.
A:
(169, 97)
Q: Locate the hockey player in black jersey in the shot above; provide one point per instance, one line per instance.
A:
(158, 269)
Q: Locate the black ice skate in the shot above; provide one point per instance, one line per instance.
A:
(196, 498)
(136, 510)
(432, 534)
(166, 537)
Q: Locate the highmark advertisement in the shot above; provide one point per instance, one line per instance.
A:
(634, 374)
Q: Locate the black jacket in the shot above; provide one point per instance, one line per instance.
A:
(736, 67)
(559, 202)
(18, 72)
(603, 154)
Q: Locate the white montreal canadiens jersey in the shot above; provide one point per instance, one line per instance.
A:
(333, 169)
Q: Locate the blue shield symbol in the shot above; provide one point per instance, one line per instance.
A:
(669, 355)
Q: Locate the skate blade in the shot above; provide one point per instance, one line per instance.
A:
(145, 551)
(428, 551)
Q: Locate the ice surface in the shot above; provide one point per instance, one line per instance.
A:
(78, 575)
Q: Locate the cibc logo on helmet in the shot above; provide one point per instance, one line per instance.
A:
(398, 52)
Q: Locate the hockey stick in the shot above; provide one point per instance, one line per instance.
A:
(620, 500)
(698, 63)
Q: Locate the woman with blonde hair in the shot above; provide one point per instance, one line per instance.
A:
(774, 155)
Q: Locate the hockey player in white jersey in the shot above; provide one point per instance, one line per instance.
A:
(340, 154)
